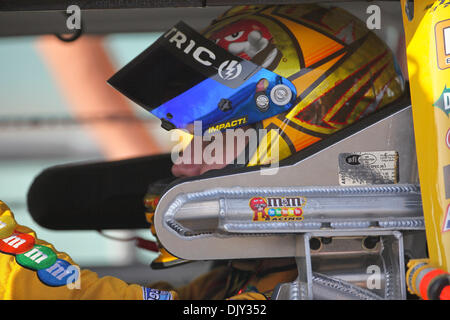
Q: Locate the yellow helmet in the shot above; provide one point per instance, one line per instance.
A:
(342, 71)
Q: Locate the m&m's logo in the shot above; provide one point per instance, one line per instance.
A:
(59, 274)
(7, 226)
(37, 258)
(16, 243)
(277, 208)
(50, 270)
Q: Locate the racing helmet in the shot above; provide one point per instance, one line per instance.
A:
(340, 69)
(301, 72)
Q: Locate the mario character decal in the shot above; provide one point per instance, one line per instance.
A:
(251, 40)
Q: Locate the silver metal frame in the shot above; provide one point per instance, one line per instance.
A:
(394, 132)
(318, 285)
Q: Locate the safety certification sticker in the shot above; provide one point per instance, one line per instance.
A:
(367, 168)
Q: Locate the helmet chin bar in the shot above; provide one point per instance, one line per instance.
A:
(348, 240)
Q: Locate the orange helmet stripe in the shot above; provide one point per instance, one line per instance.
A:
(306, 80)
(315, 45)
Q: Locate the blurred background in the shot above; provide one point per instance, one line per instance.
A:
(56, 108)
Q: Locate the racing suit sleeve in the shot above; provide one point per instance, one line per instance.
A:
(31, 268)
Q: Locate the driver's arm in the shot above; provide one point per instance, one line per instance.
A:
(33, 269)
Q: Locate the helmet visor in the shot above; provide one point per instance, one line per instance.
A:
(184, 77)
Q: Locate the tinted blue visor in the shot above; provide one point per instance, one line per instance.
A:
(185, 78)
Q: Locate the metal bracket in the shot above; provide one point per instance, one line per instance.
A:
(317, 281)
(302, 287)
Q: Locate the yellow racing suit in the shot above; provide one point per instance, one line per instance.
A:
(31, 268)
